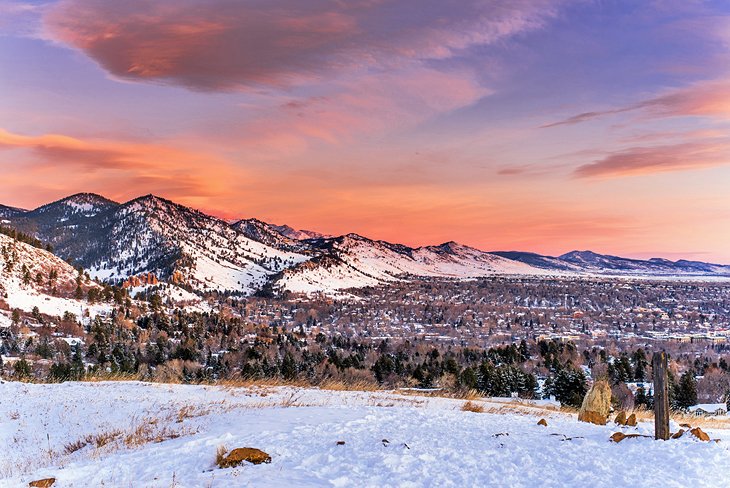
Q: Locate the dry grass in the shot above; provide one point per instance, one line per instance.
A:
(192, 411)
(97, 440)
(147, 432)
(220, 455)
(684, 418)
(470, 406)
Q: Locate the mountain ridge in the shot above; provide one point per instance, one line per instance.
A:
(152, 234)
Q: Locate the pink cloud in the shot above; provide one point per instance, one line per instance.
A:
(216, 45)
(657, 159)
(709, 98)
(366, 104)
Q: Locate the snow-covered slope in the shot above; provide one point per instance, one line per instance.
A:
(151, 234)
(353, 261)
(156, 435)
(268, 234)
(298, 234)
(10, 212)
(32, 277)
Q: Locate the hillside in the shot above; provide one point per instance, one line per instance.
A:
(155, 435)
(32, 277)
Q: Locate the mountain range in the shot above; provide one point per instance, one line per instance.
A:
(115, 241)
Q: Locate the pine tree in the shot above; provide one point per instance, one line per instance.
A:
(289, 367)
(686, 391)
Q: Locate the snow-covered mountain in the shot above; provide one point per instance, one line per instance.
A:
(153, 235)
(589, 262)
(298, 234)
(270, 235)
(178, 244)
(353, 261)
(10, 212)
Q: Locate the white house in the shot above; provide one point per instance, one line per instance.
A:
(706, 409)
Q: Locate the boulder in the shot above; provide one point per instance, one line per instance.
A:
(618, 436)
(631, 421)
(248, 454)
(596, 404)
(700, 434)
(620, 418)
(542, 422)
(678, 434)
(44, 483)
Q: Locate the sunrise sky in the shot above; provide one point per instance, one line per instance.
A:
(541, 125)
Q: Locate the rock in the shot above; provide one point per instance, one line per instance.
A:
(700, 434)
(596, 404)
(249, 454)
(340, 443)
(592, 417)
(44, 483)
(542, 422)
(618, 437)
(678, 434)
(620, 418)
(631, 421)
(686, 426)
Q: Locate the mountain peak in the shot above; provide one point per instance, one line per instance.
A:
(83, 204)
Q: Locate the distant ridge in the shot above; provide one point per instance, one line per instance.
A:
(151, 234)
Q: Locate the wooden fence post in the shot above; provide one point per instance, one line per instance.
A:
(661, 396)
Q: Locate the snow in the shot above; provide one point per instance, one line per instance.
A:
(431, 442)
(26, 297)
(361, 262)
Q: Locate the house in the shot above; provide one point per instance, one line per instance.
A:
(707, 409)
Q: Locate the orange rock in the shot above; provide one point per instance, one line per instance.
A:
(542, 422)
(620, 418)
(44, 483)
(249, 454)
(592, 417)
(618, 437)
(698, 433)
(678, 434)
(631, 421)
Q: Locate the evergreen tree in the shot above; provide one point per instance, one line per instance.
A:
(686, 391)
(289, 367)
(568, 386)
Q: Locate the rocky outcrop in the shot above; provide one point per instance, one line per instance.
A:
(596, 404)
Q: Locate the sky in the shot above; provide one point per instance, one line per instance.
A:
(536, 125)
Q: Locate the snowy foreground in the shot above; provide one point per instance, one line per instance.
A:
(128, 434)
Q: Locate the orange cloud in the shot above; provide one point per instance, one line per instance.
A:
(118, 168)
(655, 159)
